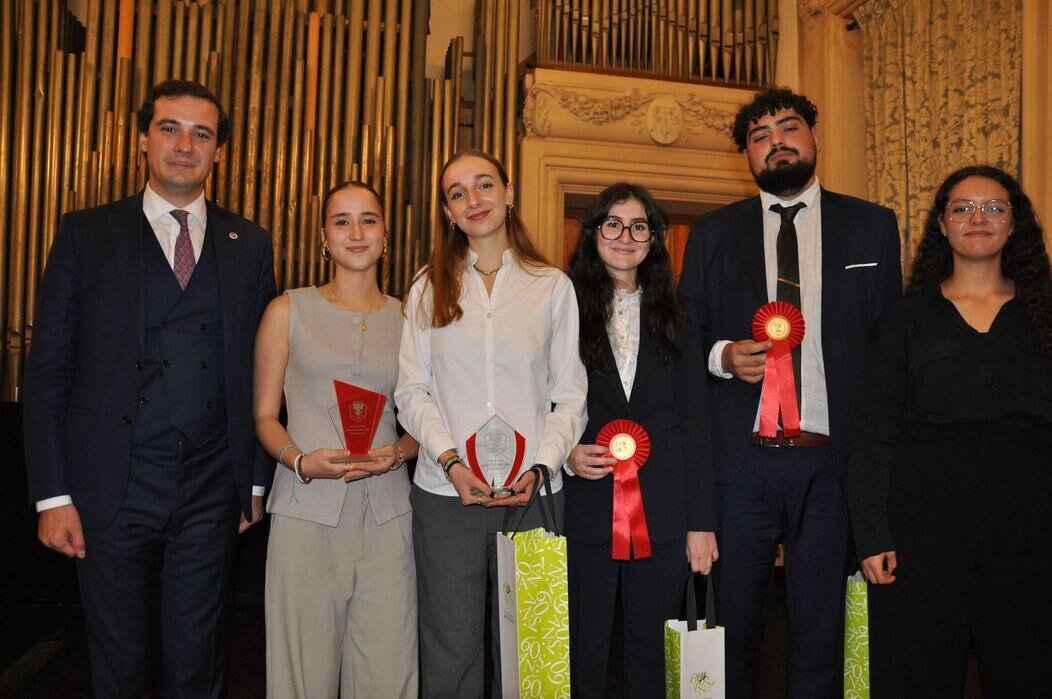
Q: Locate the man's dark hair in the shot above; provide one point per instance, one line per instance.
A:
(182, 88)
(769, 101)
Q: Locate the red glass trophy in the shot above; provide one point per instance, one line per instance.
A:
(356, 416)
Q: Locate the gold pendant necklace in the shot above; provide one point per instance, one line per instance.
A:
(489, 273)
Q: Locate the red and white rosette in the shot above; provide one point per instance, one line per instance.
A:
(629, 443)
(782, 324)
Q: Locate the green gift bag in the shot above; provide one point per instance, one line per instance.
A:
(534, 610)
(694, 655)
(856, 639)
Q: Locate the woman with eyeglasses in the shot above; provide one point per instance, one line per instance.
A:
(645, 365)
(950, 479)
(490, 334)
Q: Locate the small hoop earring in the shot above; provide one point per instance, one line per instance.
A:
(326, 254)
(452, 225)
(384, 253)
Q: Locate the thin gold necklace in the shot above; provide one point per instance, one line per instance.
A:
(489, 273)
(365, 314)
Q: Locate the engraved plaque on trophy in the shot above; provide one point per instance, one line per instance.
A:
(356, 416)
(495, 454)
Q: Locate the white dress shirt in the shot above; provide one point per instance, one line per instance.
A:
(623, 332)
(814, 406)
(513, 353)
(159, 213)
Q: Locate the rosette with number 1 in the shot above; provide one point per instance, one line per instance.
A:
(783, 325)
(629, 443)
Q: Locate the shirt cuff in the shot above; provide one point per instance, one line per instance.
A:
(716, 360)
(259, 490)
(52, 503)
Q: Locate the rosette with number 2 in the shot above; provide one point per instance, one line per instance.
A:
(783, 325)
(629, 443)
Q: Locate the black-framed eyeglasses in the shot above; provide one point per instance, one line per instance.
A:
(962, 210)
(638, 231)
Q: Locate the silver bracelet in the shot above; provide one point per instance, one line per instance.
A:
(296, 468)
(282, 453)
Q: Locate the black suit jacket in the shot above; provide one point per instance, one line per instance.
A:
(724, 276)
(670, 401)
(83, 374)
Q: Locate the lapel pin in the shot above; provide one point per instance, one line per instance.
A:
(233, 235)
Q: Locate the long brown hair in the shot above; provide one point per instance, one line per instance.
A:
(444, 268)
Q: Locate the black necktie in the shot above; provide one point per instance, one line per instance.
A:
(788, 287)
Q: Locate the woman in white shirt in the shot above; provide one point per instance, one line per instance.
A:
(645, 364)
(490, 330)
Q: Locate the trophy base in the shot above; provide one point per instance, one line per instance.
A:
(502, 492)
(355, 459)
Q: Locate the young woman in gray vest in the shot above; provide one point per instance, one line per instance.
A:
(341, 584)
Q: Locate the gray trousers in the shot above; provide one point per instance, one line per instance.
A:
(456, 555)
(341, 607)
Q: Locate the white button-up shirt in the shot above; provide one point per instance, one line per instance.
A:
(159, 213)
(814, 405)
(623, 332)
(513, 353)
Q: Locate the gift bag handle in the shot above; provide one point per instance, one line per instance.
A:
(692, 604)
(541, 478)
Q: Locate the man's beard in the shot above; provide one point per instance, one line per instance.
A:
(785, 179)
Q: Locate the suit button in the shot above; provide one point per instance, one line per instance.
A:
(167, 364)
(204, 365)
(126, 419)
(203, 327)
(208, 405)
(164, 325)
(138, 365)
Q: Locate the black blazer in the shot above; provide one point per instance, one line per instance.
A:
(670, 401)
(724, 276)
(83, 373)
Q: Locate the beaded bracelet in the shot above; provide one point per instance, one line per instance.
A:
(296, 468)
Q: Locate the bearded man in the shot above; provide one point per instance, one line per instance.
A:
(836, 259)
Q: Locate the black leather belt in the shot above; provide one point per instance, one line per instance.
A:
(804, 439)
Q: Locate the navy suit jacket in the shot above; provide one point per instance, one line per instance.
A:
(84, 370)
(670, 401)
(725, 277)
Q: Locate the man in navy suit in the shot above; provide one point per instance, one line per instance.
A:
(837, 259)
(142, 458)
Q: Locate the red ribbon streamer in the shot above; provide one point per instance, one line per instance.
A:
(783, 324)
(629, 533)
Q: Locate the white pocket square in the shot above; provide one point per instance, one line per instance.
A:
(861, 264)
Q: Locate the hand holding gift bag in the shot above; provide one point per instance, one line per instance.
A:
(533, 606)
(694, 657)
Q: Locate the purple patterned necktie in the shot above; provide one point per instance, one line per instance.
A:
(183, 262)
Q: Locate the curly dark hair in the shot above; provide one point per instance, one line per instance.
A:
(769, 101)
(182, 88)
(595, 287)
(1024, 259)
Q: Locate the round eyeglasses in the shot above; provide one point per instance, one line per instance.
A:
(612, 228)
(962, 210)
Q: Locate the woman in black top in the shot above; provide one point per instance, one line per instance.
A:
(645, 364)
(950, 481)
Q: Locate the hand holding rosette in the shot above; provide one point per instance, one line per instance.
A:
(629, 443)
(781, 324)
